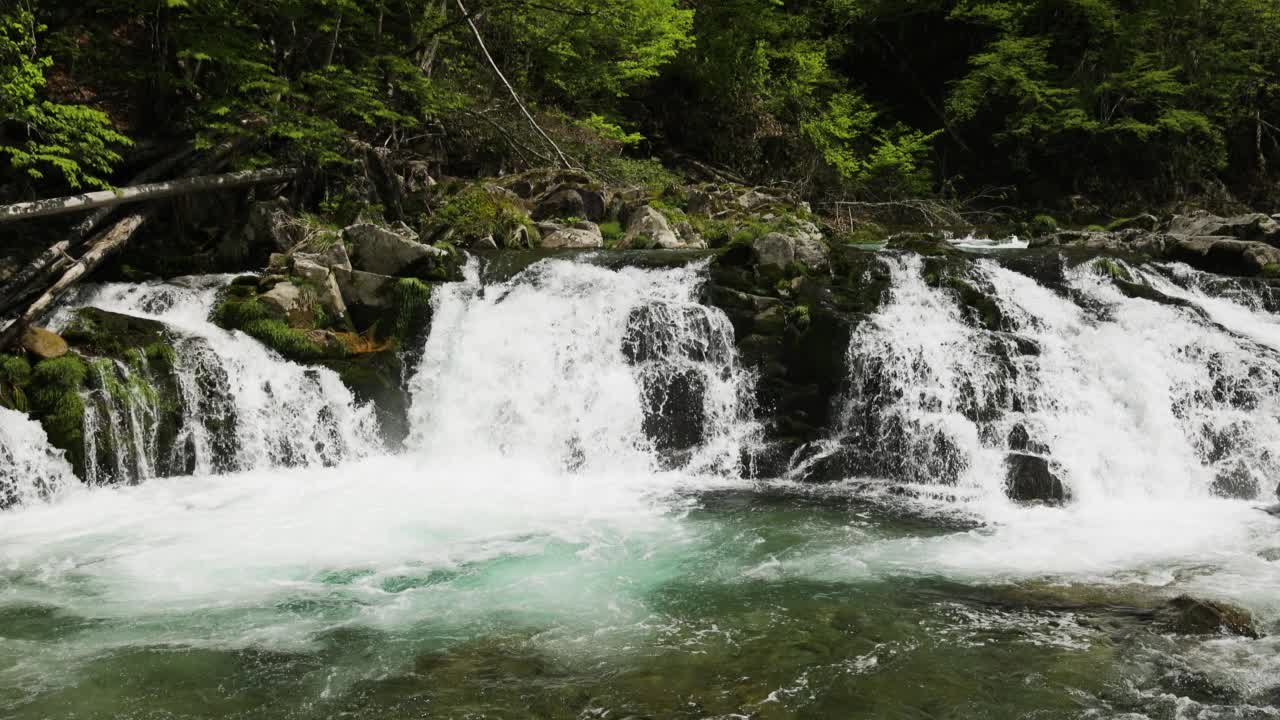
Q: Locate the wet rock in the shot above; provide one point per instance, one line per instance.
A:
(43, 344)
(571, 202)
(1236, 482)
(1146, 222)
(1256, 227)
(271, 225)
(581, 235)
(1192, 616)
(326, 287)
(675, 414)
(1226, 255)
(647, 228)
(286, 301)
(1030, 479)
(380, 250)
(366, 289)
(803, 244)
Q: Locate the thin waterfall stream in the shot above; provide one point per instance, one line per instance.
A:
(573, 528)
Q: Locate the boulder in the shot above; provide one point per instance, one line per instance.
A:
(1030, 479)
(567, 201)
(286, 301)
(1226, 255)
(365, 289)
(1145, 222)
(333, 256)
(752, 199)
(43, 344)
(270, 224)
(326, 287)
(801, 244)
(1252, 226)
(383, 251)
(647, 228)
(1192, 616)
(581, 235)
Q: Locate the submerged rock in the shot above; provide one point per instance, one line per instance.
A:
(1030, 478)
(1191, 616)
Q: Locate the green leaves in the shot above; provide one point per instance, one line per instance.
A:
(74, 142)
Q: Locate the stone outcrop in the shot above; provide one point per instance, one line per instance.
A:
(648, 228)
(584, 234)
(1031, 479)
(1256, 227)
(1192, 616)
(802, 244)
(381, 250)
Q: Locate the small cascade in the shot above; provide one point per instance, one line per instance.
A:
(242, 406)
(581, 367)
(30, 468)
(1106, 393)
(122, 423)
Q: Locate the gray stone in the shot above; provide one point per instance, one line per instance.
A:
(334, 255)
(1030, 479)
(802, 244)
(1226, 255)
(366, 289)
(270, 223)
(581, 235)
(565, 201)
(379, 250)
(1256, 227)
(326, 287)
(648, 228)
(285, 301)
(1193, 616)
(752, 199)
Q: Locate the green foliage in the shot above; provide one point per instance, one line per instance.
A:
(412, 308)
(612, 232)
(15, 375)
(475, 213)
(848, 137)
(290, 342)
(646, 173)
(1042, 225)
(38, 136)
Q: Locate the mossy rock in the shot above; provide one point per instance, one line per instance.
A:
(101, 333)
(376, 378)
(477, 212)
(54, 395)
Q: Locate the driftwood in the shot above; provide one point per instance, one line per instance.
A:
(110, 241)
(140, 193)
(498, 71)
(40, 271)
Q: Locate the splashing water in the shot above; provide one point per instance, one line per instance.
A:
(30, 468)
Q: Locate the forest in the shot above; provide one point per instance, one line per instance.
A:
(1125, 102)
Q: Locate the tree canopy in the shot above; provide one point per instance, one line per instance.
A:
(841, 98)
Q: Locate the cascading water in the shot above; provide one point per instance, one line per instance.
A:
(575, 366)
(1124, 397)
(30, 468)
(244, 407)
(568, 534)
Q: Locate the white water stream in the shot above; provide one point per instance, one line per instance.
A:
(533, 494)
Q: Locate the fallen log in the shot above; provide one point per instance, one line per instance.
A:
(141, 193)
(101, 247)
(40, 271)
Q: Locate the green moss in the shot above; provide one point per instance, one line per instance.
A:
(869, 234)
(235, 312)
(289, 342)
(55, 400)
(648, 173)
(1043, 225)
(1271, 270)
(161, 356)
(1113, 269)
(717, 233)
(15, 375)
(612, 232)
(475, 213)
(412, 308)
(798, 317)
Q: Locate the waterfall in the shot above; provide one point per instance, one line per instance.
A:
(1126, 397)
(30, 468)
(243, 406)
(582, 367)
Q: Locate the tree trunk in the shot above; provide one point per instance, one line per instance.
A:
(103, 246)
(528, 116)
(38, 273)
(140, 193)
